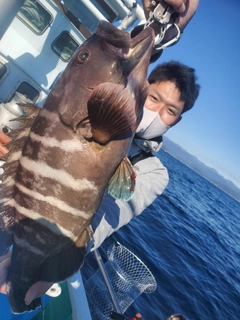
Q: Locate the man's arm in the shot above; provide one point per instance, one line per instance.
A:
(152, 179)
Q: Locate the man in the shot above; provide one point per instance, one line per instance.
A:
(169, 96)
(173, 91)
(148, 167)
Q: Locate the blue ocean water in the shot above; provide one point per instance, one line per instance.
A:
(190, 240)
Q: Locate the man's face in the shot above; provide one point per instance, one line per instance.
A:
(164, 98)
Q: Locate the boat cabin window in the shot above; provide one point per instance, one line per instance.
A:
(35, 16)
(28, 91)
(104, 8)
(86, 16)
(65, 46)
(3, 70)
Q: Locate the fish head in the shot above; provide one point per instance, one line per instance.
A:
(109, 56)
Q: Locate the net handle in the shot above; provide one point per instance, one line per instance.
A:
(107, 282)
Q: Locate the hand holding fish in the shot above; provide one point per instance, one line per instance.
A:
(185, 8)
(178, 5)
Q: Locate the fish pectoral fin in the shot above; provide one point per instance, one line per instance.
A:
(122, 184)
(111, 110)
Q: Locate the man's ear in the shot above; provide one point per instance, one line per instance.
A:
(178, 120)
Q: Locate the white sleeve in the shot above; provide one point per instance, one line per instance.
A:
(152, 179)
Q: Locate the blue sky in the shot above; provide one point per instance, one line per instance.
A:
(211, 45)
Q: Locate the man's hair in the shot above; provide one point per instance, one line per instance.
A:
(182, 76)
(180, 316)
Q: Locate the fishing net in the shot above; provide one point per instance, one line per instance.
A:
(128, 276)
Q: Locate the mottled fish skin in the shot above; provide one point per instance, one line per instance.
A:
(63, 157)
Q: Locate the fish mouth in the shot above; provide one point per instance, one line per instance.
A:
(134, 52)
(136, 66)
(139, 52)
(119, 42)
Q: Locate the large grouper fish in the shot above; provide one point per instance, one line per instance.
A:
(66, 154)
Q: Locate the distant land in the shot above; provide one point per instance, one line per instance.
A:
(208, 173)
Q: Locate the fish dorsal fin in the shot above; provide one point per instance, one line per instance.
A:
(122, 184)
(24, 122)
(30, 109)
(111, 110)
(8, 169)
(13, 143)
(18, 134)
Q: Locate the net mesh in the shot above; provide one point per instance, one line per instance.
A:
(129, 278)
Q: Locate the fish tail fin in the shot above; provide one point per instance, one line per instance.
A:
(16, 287)
(16, 297)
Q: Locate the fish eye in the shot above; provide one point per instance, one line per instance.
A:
(83, 56)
